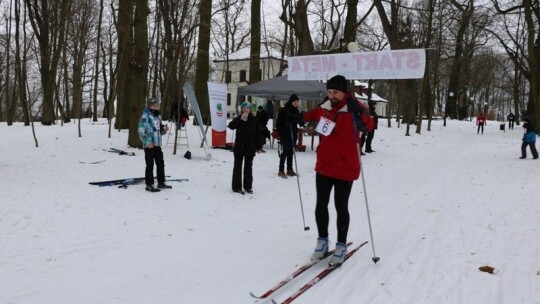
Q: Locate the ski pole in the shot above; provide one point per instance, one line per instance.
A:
(306, 228)
(375, 258)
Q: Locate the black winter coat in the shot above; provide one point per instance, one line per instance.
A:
(287, 122)
(247, 140)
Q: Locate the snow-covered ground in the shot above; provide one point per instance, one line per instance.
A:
(443, 204)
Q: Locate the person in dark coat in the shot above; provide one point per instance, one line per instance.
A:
(511, 119)
(371, 133)
(184, 116)
(246, 144)
(287, 127)
(262, 120)
(529, 139)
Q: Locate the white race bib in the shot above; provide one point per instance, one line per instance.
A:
(325, 126)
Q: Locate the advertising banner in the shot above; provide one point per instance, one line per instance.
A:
(217, 94)
(391, 64)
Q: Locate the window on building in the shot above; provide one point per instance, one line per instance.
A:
(243, 75)
(228, 77)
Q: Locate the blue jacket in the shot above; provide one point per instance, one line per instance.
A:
(530, 133)
(529, 137)
(150, 129)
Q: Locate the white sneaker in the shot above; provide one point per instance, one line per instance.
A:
(339, 255)
(321, 249)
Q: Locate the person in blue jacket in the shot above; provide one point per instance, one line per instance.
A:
(150, 131)
(529, 139)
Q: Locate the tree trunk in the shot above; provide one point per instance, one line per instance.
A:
(301, 29)
(351, 25)
(533, 108)
(125, 62)
(140, 55)
(255, 51)
(96, 63)
(203, 64)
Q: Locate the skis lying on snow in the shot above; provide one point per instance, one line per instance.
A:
(293, 275)
(115, 182)
(123, 183)
(317, 278)
(120, 152)
(129, 182)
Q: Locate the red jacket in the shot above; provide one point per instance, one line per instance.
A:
(337, 154)
(480, 120)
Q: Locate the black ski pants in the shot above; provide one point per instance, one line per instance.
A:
(152, 155)
(287, 154)
(342, 191)
(247, 161)
(480, 127)
(531, 145)
(369, 140)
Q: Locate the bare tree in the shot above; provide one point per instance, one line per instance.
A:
(230, 30)
(397, 29)
(5, 79)
(178, 35)
(97, 62)
(297, 19)
(79, 33)
(49, 19)
(132, 62)
(426, 105)
(522, 47)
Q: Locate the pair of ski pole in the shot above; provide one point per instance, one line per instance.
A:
(375, 258)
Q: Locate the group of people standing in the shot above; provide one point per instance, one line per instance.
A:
(529, 136)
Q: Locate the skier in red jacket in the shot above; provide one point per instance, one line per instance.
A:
(480, 122)
(341, 120)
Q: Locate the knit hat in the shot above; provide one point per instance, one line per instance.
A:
(245, 104)
(152, 101)
(293, 98)
(337, 82)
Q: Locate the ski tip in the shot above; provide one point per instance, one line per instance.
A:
(255, 296)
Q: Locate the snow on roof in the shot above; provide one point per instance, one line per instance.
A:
(358, 83)
(374, 97)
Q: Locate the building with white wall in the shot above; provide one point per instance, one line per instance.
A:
(234, 71)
